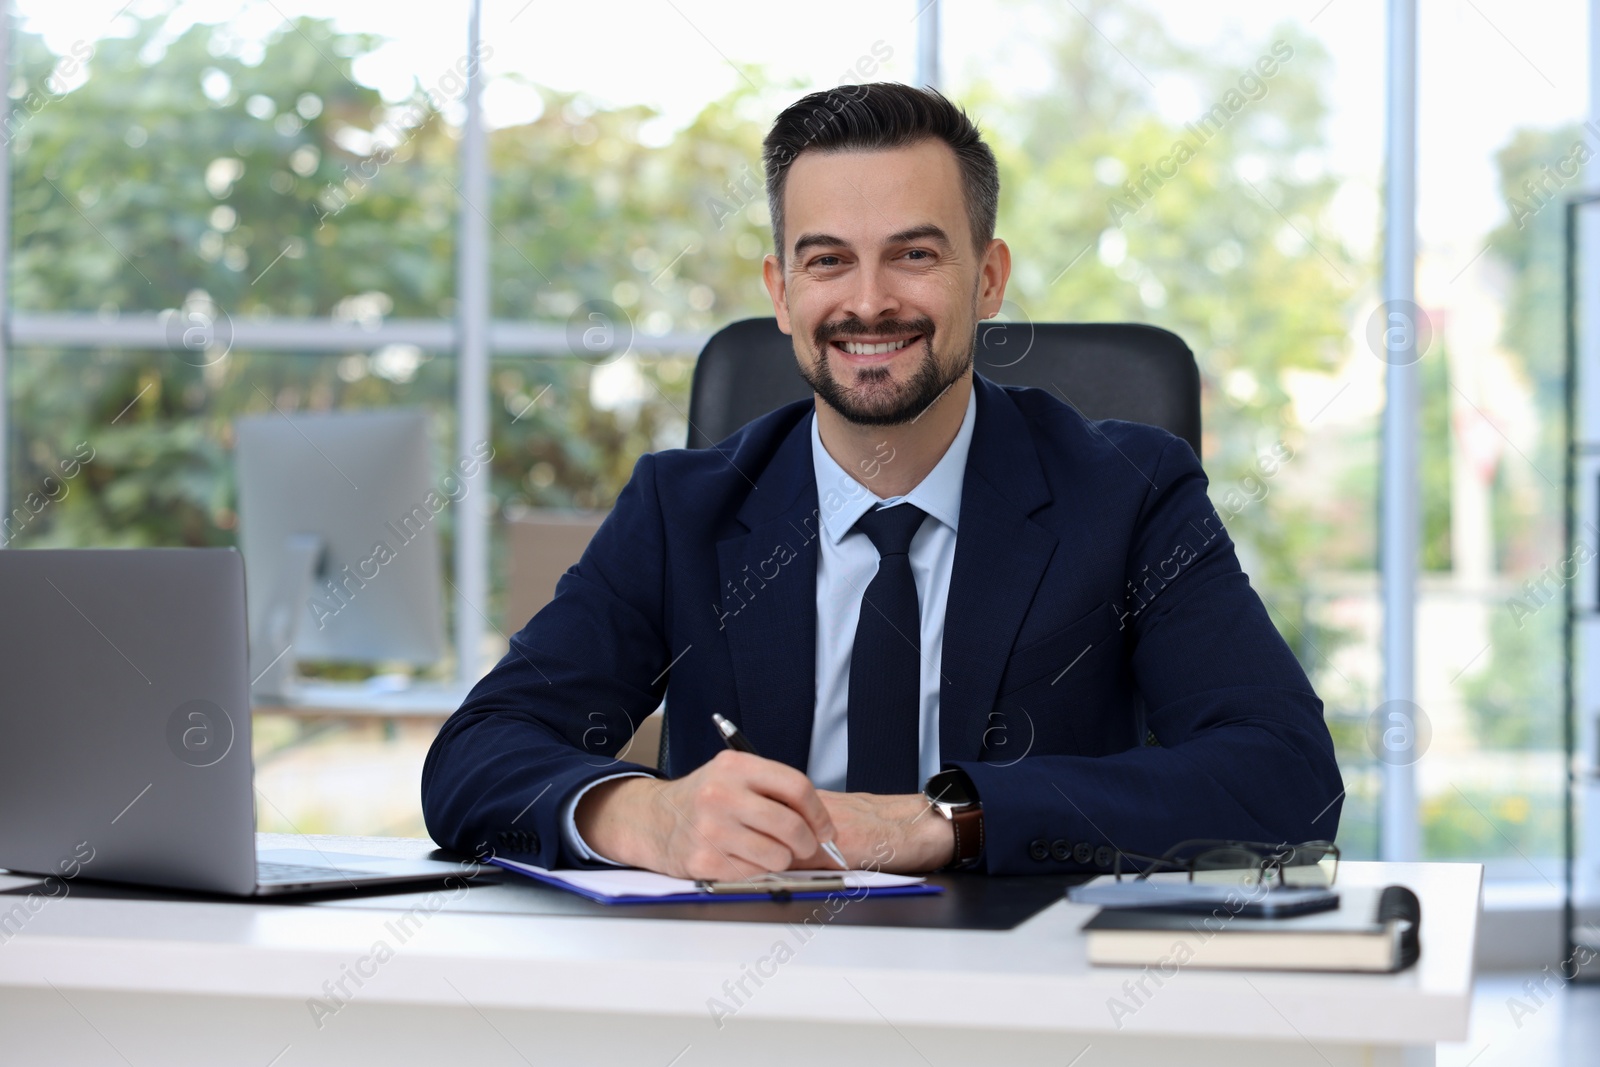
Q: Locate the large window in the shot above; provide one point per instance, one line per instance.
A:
(1187, 165)
(1217, 176)
(1488, 276)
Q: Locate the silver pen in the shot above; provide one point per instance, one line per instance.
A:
(735, 739)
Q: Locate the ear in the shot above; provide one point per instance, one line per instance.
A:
(772, 275)
(992, 277)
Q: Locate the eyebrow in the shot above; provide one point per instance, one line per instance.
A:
(916, 233)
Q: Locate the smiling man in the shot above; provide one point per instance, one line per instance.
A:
(964, 626)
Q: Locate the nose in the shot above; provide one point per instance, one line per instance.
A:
(872, 295)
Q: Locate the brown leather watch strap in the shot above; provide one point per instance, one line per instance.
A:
(967, 821)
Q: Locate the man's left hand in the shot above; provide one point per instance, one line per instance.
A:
(900, 834)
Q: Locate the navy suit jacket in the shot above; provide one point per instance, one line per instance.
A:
(1110, 680)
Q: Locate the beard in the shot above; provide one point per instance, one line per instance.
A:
(876, 400)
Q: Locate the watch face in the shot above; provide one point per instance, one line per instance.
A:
(950, 788)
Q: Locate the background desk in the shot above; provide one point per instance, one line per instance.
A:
(121, 982)
(357, 700)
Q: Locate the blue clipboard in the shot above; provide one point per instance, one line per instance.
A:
(705, 896)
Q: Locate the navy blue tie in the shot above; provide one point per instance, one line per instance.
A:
(886, 662)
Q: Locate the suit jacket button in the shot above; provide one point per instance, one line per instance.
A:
(1103, 857)
(1061, 850)
(1038, 850)
(533, 842)
(1083, 853)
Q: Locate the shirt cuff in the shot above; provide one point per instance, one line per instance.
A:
(569, 822)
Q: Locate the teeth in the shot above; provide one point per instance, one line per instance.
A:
(873, 350)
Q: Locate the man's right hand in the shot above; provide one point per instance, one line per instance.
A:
(736, 816)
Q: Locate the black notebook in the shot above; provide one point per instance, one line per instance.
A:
(1370, 930)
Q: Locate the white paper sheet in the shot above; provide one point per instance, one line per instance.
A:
(628, 882)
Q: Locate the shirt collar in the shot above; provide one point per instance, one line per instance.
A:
(842, 500)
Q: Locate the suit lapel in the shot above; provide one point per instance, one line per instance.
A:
(769, 586)
(769, 604)
(1000, 558)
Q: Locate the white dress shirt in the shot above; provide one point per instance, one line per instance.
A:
(846, 564)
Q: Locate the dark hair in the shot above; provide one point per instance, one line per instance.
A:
(879, 115)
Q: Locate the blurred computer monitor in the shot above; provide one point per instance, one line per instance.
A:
(339, 528)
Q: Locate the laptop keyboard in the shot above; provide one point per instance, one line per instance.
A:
(270, 873)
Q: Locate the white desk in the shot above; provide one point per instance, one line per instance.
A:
(316, 699)
(88, 981)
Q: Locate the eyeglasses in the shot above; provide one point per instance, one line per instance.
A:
(1313, 864)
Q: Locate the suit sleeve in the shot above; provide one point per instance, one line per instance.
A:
(1241, 751)
(557, 713)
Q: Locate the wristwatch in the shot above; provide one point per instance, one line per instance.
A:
(952, 795)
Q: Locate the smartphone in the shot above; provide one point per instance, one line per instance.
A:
(1191, 898)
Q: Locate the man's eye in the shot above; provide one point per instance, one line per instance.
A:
(922, 252)
(825, 261)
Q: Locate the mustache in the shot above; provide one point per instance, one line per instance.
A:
(856, 328)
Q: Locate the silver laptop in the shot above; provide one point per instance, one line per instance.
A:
(125, 728)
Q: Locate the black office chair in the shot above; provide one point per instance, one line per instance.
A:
(1107, 370)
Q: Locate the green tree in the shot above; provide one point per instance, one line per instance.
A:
(206, 178)
(191, 180)
(1433, 474)
(1529, 242)
(196, 176)
(1513, 700)
(1214, 228)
